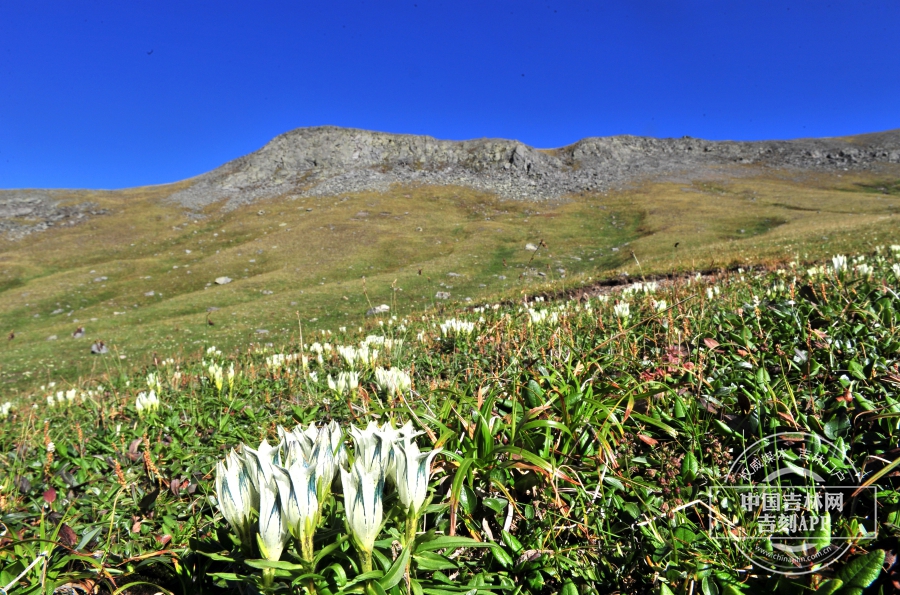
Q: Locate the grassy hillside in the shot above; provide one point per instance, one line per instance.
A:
(142, 278)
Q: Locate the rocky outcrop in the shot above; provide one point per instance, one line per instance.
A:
(23, 212)
(329, 161)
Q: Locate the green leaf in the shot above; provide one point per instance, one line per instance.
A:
(830, 587)
(708, 586)
(502, 556)
(861, 572)
(496, 504)
(568, 588)
(856, 369)
(511, 542)
(655, 422)
(689, 467)
(534, 395)
(395, 574)
(838, 425)
(450, 541)
(429, 561)
(679, 408)
(467, 499)
(279, 565)
(822, 534)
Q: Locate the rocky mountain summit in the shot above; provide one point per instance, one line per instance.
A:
(329, 160)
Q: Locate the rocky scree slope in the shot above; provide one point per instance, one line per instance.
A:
(329, 160)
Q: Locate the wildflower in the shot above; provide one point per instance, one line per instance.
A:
(5, 409)
(363, 505)
(216, 376)
(258, 464)
(457, 328)
(297, 492)
(412, 471)
(392, 381)
(234, 495)
(542, 316)
(230, 377)
(622, 310)
(273, 530)
(153, 382)
(896, 268)
(371, 450)
(146, 402)
(839, 262)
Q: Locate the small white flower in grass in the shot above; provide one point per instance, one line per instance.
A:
(622, 310)
(5, 409)
(230, 375)
(364, 509)
(896, 268)
(454, 327)
(393, 382)
(146, 403)
(839, 262)
(153, 382)
(338, 386)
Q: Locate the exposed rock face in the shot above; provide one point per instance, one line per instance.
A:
(329, 160)
(26, 211)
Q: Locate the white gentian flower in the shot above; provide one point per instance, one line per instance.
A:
(370, 449)
(234, 494)
(622, 310)
(300, 506)
(146, 402)
(259, 464)
(839, 262)
(153, 382)
(413, 470)
(5, 409)
(363, 505)
(230, 377)
(273, 530)
(453, 328)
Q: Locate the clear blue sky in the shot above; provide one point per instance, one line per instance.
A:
(110, 94)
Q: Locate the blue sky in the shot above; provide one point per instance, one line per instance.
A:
(111, 94)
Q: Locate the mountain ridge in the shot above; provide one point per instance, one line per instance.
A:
(329, 160)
